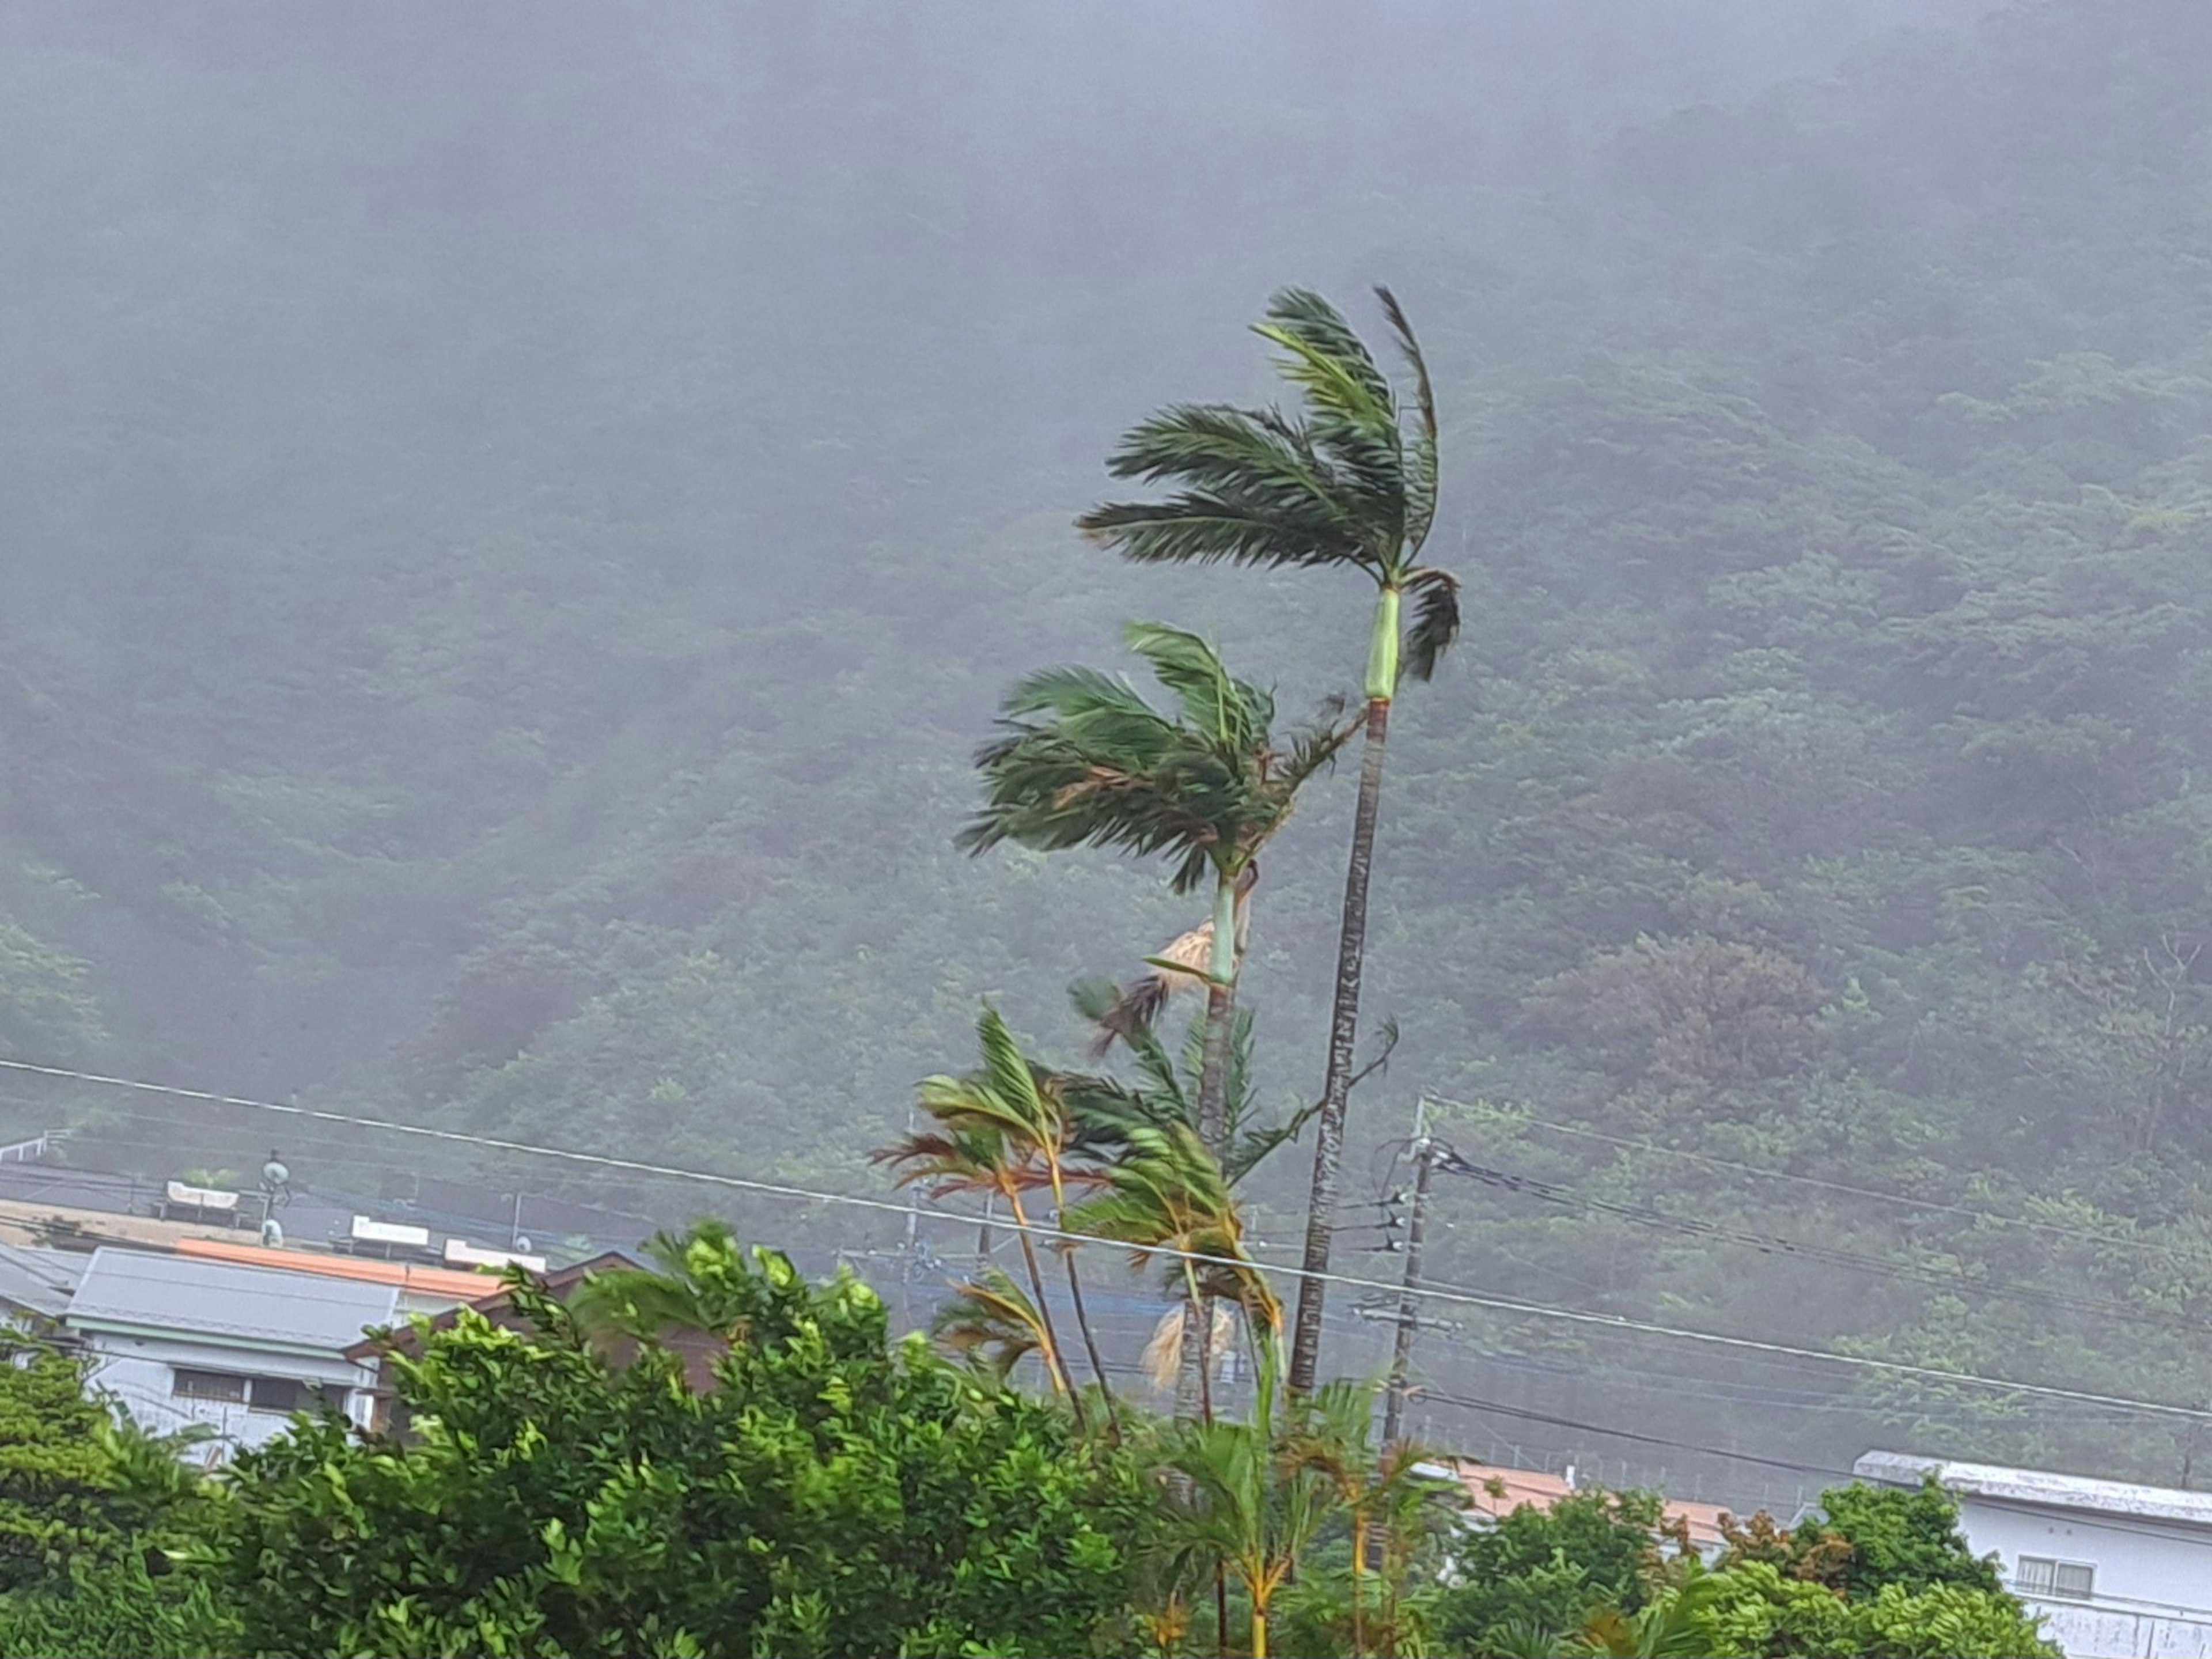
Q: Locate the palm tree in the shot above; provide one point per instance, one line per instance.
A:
(1241, 1501)
(1384, 1494)
(1084, 760)
(1349, 483)
(1029, 1103)
(973, 1150)
(1166, 1087)
(1167, 1195)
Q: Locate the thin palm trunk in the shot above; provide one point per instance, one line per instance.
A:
(1358, 1583)
(1055, 1361)
(1212, 1113)
(1075, 1294)
(1220, 1018)
(1091, 1342)
(1259, 1629)
(1343, 1035)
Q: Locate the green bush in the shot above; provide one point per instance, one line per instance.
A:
(825, 1496)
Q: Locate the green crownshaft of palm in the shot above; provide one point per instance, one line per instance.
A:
(1348, 482)
(1084, 759)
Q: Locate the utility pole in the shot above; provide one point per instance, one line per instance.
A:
(1409, 1317)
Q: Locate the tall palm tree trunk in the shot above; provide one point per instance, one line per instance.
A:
(1344, 1014)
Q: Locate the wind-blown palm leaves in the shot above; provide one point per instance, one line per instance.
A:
(1241, 1501)
(1006, 1129)
(1166, 1087)
(1350, 482)
(1166, 1193)
(1382, 1489)
(1085, 760)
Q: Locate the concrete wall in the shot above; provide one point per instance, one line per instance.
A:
(2154, 1583)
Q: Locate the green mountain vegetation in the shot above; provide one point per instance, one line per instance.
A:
(514, 534)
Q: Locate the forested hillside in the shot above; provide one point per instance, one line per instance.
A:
(510, 544)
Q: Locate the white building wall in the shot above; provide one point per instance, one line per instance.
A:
(140, 1373)
(2154, 1580)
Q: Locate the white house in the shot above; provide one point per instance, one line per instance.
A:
(2119, 1571)
(177, 1342)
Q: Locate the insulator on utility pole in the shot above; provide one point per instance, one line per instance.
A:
(1394, 1403)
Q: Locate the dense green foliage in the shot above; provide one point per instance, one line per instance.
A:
(73, 1491)
(1552, 1570)
(1910, 1539)
(1886, 1572)
(117, 1611)
(88, 1507)
(713, 1455)
(826, 1495)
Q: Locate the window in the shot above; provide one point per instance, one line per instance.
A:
(285, 1395)
(218, 1386)
(2061, 1581)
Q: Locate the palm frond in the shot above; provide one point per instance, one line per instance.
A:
(1306, 322)
(1352, 415)
(1163, 1356)
(990, 1320)
(1213, 702)
(1007, 1072)
(950, 1161)
(1255, 457)
(1314, 747)
(1197, 527)
(1436, 620)
(1421, 454)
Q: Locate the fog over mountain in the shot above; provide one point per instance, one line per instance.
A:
(513, 521)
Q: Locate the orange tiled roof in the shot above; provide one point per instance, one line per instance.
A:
(1520, 1487)
(423, 1281)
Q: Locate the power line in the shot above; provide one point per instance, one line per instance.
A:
(1827, 1254)
(1453, 1294)
(1766, 1172)
(1422, 1392)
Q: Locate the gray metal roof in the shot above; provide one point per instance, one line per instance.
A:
(214, 1299)
(2040, 1488)
(38, 1281)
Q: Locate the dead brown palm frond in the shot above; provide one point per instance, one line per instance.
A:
(1163, 1356)
(1179, 967)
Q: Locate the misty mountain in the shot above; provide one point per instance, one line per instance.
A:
(512, 530)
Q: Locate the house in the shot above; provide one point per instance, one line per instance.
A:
(35, 1285)
(1493, 1493)
(2117, 1571)
(386, 1413)
(177, 1342)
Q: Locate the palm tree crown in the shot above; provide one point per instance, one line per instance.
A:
(1349, 480)
(1084, 760)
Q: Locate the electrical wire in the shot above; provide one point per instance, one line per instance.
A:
(1766, 1172)
(1827, 1254)
(1451, 1294)
(1421, 1392)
